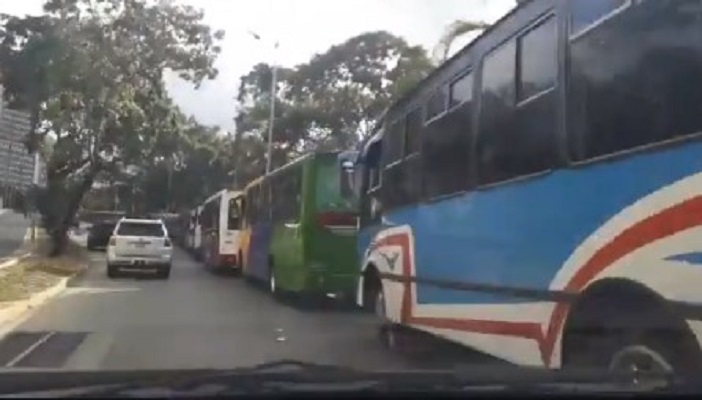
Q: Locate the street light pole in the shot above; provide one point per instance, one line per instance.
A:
(169, 203)
(271, 118)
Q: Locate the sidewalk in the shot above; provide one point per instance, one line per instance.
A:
(13, 234)
(36, 278)
(35, 271)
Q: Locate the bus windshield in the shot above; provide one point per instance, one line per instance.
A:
(233, 215)
(334, 187)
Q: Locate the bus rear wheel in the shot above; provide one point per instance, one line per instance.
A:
(273, 288)
(629, 332)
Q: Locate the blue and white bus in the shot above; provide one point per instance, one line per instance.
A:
(538, 197)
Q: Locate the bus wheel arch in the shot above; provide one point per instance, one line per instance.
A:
(615, 315)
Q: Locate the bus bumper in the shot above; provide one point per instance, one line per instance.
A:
(226, 261)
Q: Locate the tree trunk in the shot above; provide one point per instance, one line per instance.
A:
(59, 232)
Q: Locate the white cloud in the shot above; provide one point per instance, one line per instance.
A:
(303, 28)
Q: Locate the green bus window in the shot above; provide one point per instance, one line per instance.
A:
(334, 191)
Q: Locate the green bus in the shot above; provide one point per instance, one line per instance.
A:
(299, 229)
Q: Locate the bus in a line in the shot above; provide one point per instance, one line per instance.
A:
(194, 236)
(190, 230)
(538, 197)
(246, 225)
(219, 219)
(300, 224)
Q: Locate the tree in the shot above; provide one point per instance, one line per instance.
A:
(91, 73)
(329, 102)
(452, 32)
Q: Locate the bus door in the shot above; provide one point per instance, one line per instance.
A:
(230, 231)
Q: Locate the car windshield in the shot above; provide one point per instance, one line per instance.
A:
(376, 184)
(149, 229)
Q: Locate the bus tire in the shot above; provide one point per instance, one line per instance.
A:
(622, 326)
(273, 284)
(239, 266)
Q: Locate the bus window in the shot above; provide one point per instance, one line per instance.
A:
(333, 188)
(587, 13)
(233, 215)
(347, 179)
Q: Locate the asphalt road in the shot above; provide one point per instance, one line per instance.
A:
(13, 227)
(193, 320)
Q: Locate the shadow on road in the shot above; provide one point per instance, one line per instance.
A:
(436, 353)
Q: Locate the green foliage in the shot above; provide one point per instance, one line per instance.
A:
(328, 103)
(91, 73)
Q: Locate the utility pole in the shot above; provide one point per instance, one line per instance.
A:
(170, 184)
(271, 118)
(35, 187)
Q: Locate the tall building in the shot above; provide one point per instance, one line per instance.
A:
(17, 166)
(18, 169)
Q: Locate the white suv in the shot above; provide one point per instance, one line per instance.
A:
(139, 244)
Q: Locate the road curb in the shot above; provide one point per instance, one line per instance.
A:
(71, 280)
(18, 308)
(13, 261)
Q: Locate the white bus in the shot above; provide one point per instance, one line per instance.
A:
(219, 222)
(193, 231)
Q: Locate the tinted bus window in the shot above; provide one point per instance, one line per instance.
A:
(287, 194)
(585, 13)
(436, 104)
(538, 62)
(495, 146)
(413, 129)
(461, 90)
(394, 143)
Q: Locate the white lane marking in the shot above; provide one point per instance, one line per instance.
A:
(30, 349)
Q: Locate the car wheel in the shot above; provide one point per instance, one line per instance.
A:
(112, 271)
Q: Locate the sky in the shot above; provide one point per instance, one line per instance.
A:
(302, 28)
